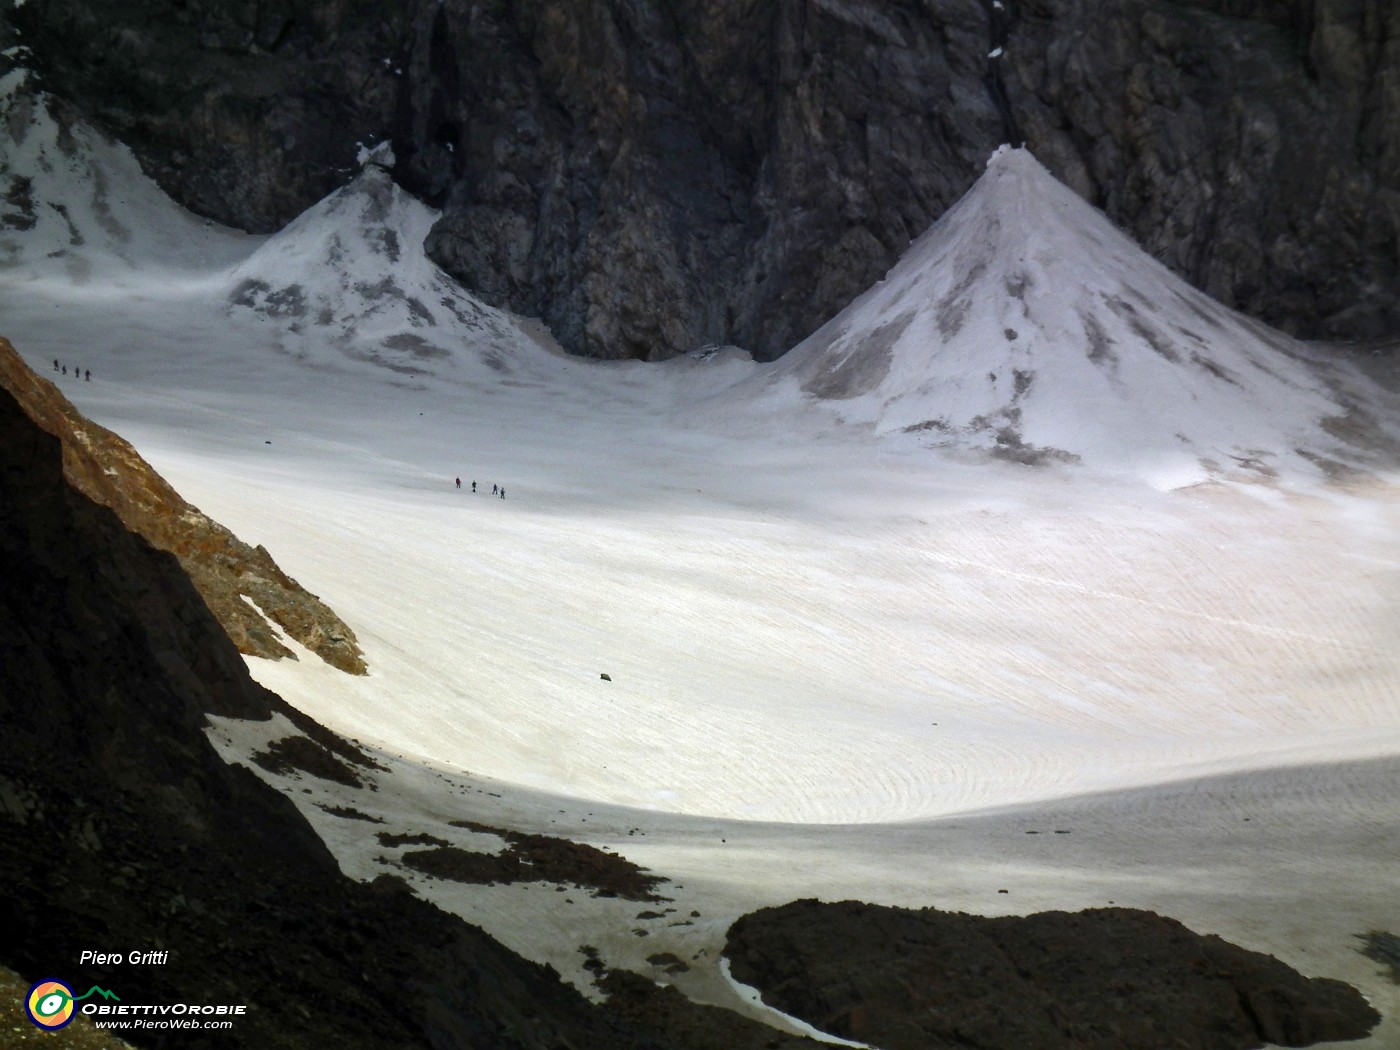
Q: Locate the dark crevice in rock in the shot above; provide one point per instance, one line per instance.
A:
(1000, 18)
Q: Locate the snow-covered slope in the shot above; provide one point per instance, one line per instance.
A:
(1025, 324)
(349, 275)
(798, 627)
(345, 282)
(75, 206)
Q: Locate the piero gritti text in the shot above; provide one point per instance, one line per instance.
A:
(136, 958)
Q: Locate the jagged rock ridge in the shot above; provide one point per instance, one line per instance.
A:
(1025, 324)
(106, 469)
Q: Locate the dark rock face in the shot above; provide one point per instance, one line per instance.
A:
(1106, 978)
(659, 176)
(245, 111)
(647, 177)
(1251, 145)
(121, 829)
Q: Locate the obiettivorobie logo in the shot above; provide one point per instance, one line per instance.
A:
(49, 1004)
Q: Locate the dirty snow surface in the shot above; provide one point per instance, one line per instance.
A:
(1032, 537)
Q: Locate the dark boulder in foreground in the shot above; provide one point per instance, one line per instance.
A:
(1103, 979)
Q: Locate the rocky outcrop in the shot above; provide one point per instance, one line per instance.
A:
(650, 177)
(1102, 979)
(530, 858)
(226, 570)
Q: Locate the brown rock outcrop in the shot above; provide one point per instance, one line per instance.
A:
(107, 470)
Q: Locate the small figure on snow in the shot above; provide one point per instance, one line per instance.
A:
(55, 364)
(503, 492)
(87, 375)
(65, 369)
(473, 486)
(493, 490)
(459, 482)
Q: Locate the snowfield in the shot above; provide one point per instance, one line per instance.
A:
(850, 655)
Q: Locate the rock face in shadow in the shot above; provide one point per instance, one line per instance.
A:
(650, 177)
(226, 570)
(1102, 979)
(1253, 146)
(121, 830)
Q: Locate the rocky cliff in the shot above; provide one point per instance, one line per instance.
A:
(647, 177)
(106, 469)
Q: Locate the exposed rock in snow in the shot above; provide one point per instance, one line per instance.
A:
(353, 266)
(381, 155)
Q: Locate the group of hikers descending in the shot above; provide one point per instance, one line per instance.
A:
(495, 490)
(85, 373)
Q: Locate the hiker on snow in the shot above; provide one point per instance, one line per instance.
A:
(473, 486)
(459, 482)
